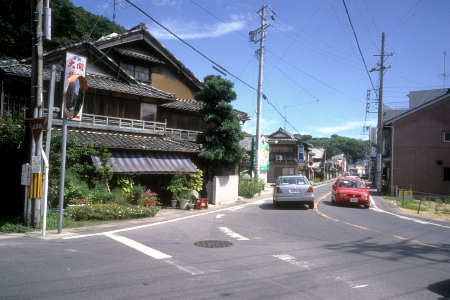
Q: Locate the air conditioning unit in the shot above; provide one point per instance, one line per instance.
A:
(279, 157)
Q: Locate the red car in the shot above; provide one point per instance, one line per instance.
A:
(350, 191)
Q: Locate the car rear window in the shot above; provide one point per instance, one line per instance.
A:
(352, 184)
(293, 180)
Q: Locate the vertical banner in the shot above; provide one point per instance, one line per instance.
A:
(301, 154)
(264, 155)
(75, 65)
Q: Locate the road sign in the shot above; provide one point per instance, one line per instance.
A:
(26, 174)
(37, 125)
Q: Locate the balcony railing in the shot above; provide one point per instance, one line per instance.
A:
(129, 125)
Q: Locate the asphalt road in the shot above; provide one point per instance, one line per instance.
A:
(247, 250)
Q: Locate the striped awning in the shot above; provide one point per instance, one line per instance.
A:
(142, 162)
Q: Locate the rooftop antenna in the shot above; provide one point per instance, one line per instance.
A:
(444, 74)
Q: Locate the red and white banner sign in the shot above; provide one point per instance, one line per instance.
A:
(75, 65)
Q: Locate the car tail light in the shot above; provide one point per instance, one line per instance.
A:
(310, 190)
(279, 191)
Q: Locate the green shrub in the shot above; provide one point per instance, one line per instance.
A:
(53, 221)
(109, 212)
(248, 188)
(10, 228)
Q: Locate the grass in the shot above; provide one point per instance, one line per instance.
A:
(438, 208)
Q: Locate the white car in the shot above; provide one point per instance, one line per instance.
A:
(293, 188)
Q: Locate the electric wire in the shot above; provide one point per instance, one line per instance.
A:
(357, 42)
(190, 46)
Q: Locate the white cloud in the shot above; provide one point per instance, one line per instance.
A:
(349, 125)
(165, 2)
(194, 29)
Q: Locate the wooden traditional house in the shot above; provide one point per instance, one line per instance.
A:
(140, 102)
(416, 148)
(284, 155)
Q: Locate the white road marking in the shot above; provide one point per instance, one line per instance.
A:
(293, 261)
(159, 223)
(219, 216)
(351, 284)
(377, 209)
(189, 269)
(138, 246)
(233, 234)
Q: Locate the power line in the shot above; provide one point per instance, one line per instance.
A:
(357, 42)
(190, 46)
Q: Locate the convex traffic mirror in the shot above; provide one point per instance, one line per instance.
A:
(74, 95)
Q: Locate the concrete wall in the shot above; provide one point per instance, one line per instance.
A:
(223, 189)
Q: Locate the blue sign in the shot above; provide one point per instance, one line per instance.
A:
(301, 152)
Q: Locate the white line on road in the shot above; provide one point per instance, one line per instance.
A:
(138, 246)
(187, 269)
(158, 223)
(233, 234)
(375, 208)
(293, 261)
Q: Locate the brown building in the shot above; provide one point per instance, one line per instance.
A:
(417, 148)
(140, 102)
(284, 155)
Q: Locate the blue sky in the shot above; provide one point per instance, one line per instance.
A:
(315, 77)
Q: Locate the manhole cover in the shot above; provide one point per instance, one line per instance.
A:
(213, 244)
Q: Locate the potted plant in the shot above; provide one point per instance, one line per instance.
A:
(182, 187)
(176, 187)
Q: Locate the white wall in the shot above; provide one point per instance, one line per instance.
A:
(223, 189)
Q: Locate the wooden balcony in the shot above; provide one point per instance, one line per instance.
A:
(99, 122)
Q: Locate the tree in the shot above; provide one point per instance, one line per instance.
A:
(12, 140)
(221, 142)
(353, 149)
(69, 24)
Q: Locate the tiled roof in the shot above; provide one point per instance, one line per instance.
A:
(95, 81)
(247, 142)
(194, 105)
(282, 134)
(139, 56)
(116, 140)
(109, 84)
(185, 104)
(25, 70)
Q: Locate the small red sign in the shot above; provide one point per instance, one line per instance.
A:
(37, 125)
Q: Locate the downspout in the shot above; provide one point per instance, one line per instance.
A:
(391, 185)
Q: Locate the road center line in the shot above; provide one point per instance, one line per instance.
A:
(378, 210)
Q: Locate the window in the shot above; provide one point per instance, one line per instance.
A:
(287, 171)
(148, 112)
(446, 174)
(446, 136)
(138, 72)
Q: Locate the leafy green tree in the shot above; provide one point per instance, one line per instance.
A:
(82, 177)
(12, 150)
(353, 149)
(222, 149)
(69, 24)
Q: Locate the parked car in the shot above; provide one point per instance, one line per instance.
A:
(293, 188)
(347, 174)
(350, 191)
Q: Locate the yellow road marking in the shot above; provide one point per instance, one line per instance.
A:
(316, 209)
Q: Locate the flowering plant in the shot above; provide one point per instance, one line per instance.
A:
(150, 199)
(79, 202)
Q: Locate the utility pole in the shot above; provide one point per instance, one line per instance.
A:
(34, 208)
(379, 169)
(253, 37)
